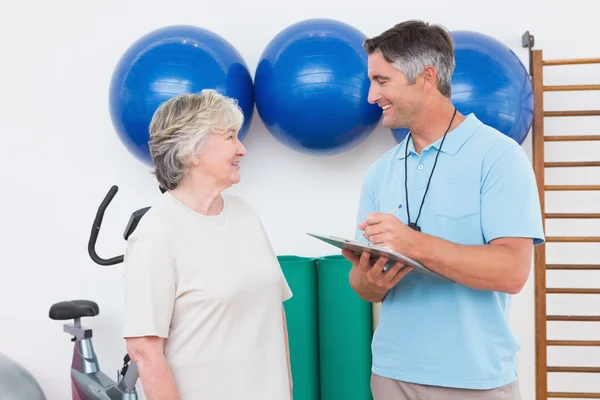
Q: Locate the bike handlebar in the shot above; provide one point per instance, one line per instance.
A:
(96, 229)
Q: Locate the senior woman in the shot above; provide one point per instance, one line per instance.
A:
(204, 291)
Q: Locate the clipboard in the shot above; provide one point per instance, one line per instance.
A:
(359, 247)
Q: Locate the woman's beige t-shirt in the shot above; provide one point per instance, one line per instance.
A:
(212, 286)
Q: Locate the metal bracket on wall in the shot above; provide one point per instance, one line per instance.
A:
(528, 41)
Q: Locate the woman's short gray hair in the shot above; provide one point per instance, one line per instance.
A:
(180, 126)
(413, 45)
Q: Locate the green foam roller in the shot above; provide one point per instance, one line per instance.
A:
(345, 333)
(302, 319)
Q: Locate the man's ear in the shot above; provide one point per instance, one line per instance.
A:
(429, 76)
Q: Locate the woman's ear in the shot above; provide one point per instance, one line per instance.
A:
(192, 159)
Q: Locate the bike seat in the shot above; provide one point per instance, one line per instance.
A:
(73, 309)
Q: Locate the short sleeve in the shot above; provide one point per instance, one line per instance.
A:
(510, 204)
(286, 292)
(150, 286)
(367, 203)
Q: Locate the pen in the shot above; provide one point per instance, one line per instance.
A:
(393, 212)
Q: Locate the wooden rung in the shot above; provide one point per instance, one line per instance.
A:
(584, 343)
(572, 187)
(565, 88)
(572, 215)
(563, 164)
(572, 291)
(572, 61)
(578, 113)
(573, 239)
(571, 138)
(574, 369)
(573, 266)
(573, 395)
(578, 318)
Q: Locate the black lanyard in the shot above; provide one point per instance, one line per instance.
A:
(414, 225)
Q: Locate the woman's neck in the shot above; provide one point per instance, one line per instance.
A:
(204, 198)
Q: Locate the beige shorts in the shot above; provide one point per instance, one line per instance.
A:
(389, 389)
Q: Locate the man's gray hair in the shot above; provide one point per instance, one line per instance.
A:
(413, 45)
(180, 126)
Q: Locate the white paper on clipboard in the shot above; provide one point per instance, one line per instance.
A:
(359, 247)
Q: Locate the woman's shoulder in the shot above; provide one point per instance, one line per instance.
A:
(241, 209)
(238, 203)
(153, 225)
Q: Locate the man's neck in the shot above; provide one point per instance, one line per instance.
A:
(433, 123)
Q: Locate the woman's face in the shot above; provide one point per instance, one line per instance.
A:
(220, 157)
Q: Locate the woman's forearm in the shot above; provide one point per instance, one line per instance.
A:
(157, 380)
(155, 374)
(287, 354)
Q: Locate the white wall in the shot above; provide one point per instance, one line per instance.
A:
(59, 155)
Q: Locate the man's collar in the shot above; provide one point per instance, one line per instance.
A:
(453, 142)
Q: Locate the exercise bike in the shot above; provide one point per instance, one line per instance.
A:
(88, 382)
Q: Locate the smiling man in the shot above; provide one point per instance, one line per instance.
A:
(467, 207)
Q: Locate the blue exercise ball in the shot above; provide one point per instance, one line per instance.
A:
(311, 88)
(491, 82)
(399, 134)
(16, 382)
(168, 62)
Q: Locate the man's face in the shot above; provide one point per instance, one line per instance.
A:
(392, 92)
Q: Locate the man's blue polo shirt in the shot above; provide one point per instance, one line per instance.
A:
(436, 332)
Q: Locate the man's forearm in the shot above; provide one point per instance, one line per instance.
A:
(362, 290)
(157, 379)
(497, 267)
